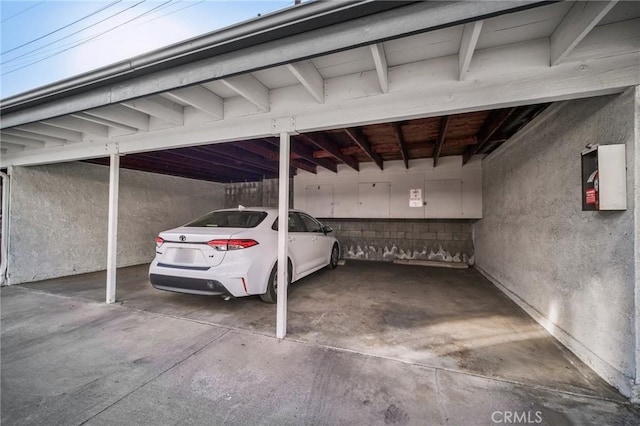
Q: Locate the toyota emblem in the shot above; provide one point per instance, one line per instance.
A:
(182, 238)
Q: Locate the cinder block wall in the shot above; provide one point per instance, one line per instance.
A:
(412, 238)
(572, 270)
(59, 212)
(254, 194)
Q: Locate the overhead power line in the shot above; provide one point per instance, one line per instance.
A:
(21, 12)
(63, 27)
(70, 35)
(90, 39)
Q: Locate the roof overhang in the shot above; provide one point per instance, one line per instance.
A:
(403, 62)
(306, 31)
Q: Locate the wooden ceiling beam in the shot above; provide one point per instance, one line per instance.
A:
(397, 130)
(575, 26)
(442, 134)
(249, 88)
(200, 161)
(273, 155)
(240, 156)
(359, 138)
(305, 153)
(470, 36)
(296, 160)
(492, 124)
(177, 162)
(200, 98)
(322, 142)
(310, 78)
(382, 69)
(135, 163)
(79, 125)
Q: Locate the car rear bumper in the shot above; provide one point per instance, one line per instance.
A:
(189, 285)
(223, 280)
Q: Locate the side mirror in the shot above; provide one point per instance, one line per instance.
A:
(327, 229)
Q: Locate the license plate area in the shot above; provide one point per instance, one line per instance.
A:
(184, 255)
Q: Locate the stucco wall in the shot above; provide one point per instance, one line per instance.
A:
(573, 271)
(59, 217)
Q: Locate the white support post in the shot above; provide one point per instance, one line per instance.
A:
(112, 237)
(283, 235)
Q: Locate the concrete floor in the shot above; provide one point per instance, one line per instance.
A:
(368, 343)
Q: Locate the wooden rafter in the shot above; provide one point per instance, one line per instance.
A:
(325, 144)
(442, 134)
(197, 160)
(493, 123)
(296, 160)
(306, 154)
(234, 153)
(358, 137)
(397, 129)
(184, 163)
(135, 162)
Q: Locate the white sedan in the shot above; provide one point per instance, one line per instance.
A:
(233, 252)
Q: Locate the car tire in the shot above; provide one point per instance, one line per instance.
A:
(334, 257)
(271, 296)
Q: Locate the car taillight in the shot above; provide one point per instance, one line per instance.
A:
(224, 245)
(159, 241)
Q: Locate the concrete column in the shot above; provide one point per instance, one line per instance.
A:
(283, 235)
(112, 236)
(633, 166)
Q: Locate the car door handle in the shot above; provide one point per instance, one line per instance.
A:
(291, 239)
(314, 238)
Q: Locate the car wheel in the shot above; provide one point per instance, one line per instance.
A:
(335, 257)
(271, 296)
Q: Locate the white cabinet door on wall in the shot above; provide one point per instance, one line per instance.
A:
(319, 200)
(444, 198)
(374, 199)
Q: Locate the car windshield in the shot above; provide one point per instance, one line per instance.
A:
(229, 219)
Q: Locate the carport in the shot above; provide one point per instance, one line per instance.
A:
(393, 88)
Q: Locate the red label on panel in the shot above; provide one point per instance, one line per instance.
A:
(591, 196)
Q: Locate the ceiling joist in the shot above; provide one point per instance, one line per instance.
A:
(121, 116)
(48, 140)
(20, 140)
(322, 142)
(310, 78)
(160, 108)
(470, 35)
(578, 22)
(380, 61)
(358, 137)
(490, 128)
(201, 99)
(442, 134)
(249, 88)
(10, 147)
(105, 122)
(397, 130)
(79, 125)
(306, 154)
(52, 131)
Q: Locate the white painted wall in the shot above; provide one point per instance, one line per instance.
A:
(451, 191)
(58, 220)
(575, 272)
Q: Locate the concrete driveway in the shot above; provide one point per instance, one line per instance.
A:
(368, 343)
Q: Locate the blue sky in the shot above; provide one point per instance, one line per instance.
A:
(32, 57)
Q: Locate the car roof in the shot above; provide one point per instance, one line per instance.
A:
(257, 209)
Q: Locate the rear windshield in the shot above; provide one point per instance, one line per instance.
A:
(229, 219)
